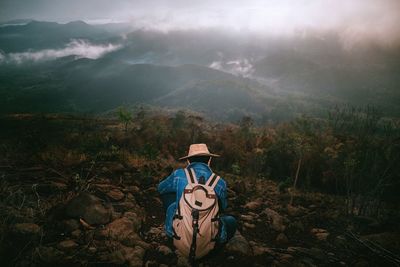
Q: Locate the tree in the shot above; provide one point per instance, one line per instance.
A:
(124, 116)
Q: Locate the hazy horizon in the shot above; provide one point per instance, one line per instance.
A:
(356, 22)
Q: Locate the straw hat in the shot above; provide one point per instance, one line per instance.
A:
(198, 150)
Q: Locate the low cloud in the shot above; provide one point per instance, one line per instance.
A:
(78, 48)
(238, 67)
(357, 22)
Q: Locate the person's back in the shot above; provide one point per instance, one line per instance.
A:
(196, 191)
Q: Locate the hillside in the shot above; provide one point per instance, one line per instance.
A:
(78, 67)
(86, 85)
(37, 35)
(81, 191)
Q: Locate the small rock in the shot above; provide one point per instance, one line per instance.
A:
(116, 167)
(133, 189)
(76, 234)
(92, 250)
(115, 194)
(253, 205)
(255, 215)
(281, 239)
(164, 250)
(155, 231)
(320, 234)
(247, 218)
(26, 228)
(50, 254)
(285, 257)
(277, 221)
(134, 256)
(134, 218)
(116, 257)
(115, 215)
(239, 244)
(121, 228)
(295, 211)
(297, 227)
(71, 225)
(260, 250)
(67, 245)
(249, 225)
(151, 264)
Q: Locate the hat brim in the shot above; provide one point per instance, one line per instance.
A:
(200, 154)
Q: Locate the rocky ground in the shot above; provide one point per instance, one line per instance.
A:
(70, 197)
(111, 215)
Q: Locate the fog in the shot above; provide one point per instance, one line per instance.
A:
(357, 21)
(240, 67)
(78, 48)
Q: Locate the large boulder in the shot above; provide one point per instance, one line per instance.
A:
(88, 207)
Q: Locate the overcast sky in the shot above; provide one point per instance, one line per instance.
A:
(371, 19)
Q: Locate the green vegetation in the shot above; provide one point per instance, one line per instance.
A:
(353, 153)
(124, 116)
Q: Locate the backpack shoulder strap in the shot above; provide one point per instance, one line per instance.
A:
(213, 180)
(190, 176)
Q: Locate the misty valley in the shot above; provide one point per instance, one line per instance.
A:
(77, 67)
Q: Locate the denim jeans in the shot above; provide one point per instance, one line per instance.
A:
(228, 221)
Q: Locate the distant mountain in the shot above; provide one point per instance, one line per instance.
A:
(15, 22)
(37, 35)
(220, 73)
(356, 77)
(85, 85)
(221, 99)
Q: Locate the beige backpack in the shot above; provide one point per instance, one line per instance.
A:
(196, 221)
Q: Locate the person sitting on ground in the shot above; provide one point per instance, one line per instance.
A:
(194, 199)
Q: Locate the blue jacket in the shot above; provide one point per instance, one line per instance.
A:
(176, 183)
